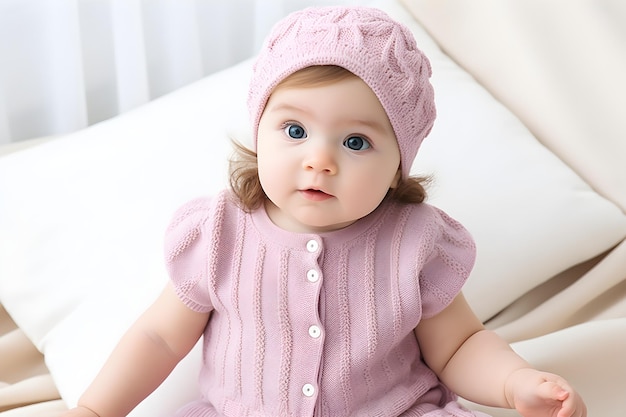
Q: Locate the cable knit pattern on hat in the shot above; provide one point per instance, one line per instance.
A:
(365, 41)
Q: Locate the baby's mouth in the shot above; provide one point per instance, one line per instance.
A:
(315, 195)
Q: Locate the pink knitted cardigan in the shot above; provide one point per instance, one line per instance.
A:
(306, 324)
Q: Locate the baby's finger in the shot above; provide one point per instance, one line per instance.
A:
(572, 406)
(552, 391)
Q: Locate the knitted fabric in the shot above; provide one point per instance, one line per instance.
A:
(368, 43)
(316, 324)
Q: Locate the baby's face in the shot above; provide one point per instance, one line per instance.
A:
(327, 155)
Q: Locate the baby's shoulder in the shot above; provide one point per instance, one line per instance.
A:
(197, 212)
(422, 213)
(195, 223)
(442, 217)
(201, 216)
(428, 219)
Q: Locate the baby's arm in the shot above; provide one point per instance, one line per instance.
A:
(144, 357)
(481, 367)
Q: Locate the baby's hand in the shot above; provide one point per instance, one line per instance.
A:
(540, 394)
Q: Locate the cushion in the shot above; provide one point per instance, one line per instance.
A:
(82, 217)
(565, 59)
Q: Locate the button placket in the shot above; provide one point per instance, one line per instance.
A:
(313, 329)
(313, 276)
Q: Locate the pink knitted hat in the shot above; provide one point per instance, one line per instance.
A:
(366, 42)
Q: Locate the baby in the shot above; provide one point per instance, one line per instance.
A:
(321, 282)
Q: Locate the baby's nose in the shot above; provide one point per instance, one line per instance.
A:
(321, 158)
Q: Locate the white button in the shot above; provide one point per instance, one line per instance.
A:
(308, 390)
(315, 332)
(312, 245)
(312, 275)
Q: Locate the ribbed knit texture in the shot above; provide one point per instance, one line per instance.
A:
(376, 279)
(365, 41)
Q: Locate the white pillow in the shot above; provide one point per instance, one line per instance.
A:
(82, 218)
(531, 215)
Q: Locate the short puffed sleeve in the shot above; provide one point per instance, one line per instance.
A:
(447, 267)
(187, 241)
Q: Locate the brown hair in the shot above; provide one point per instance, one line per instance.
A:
(243, 167)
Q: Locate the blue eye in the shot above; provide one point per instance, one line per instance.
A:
(295, 131)
(356, 143)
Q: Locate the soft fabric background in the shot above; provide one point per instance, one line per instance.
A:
(571, 54)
